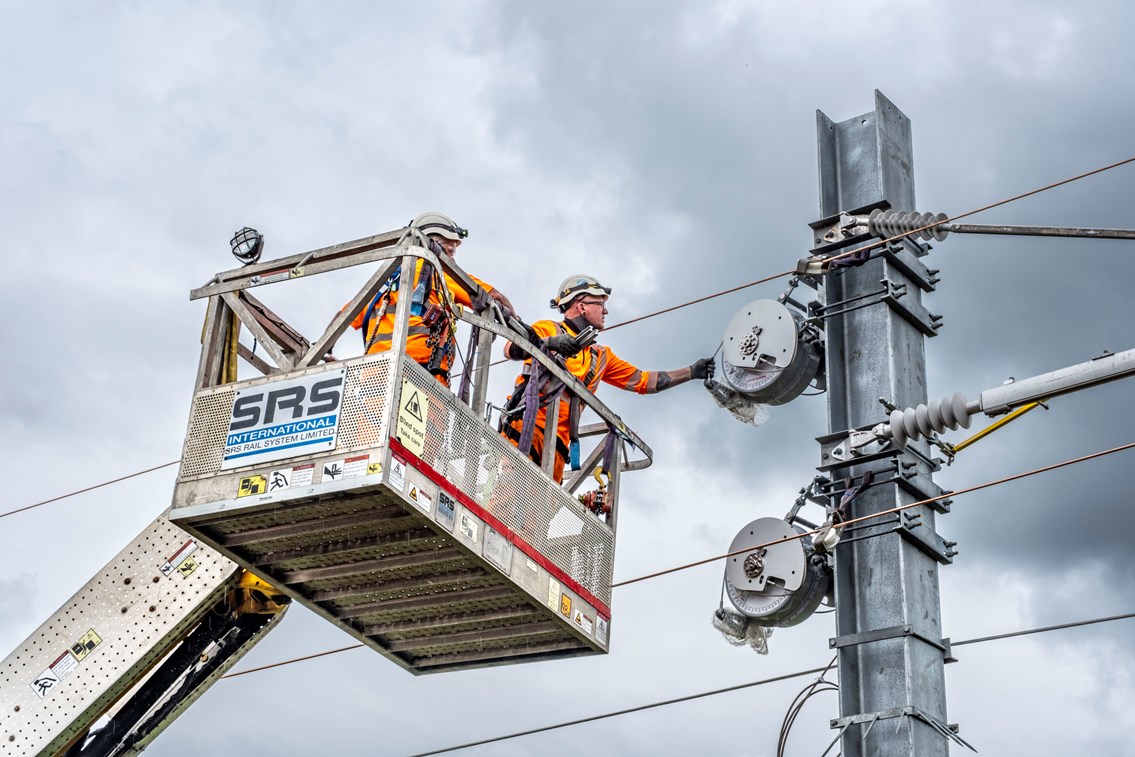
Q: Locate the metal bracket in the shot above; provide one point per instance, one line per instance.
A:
(882, 634)
(903, 255)
(910, 310)
(947, 730)
(839, 231)
(911, 528)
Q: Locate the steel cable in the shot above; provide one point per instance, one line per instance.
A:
(695, 301)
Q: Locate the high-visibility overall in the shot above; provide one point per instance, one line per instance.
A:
(379, 319)
(591, 365)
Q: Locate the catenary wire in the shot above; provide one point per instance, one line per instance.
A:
(89, 488)
(787, 676)
(891, 511)
(982, 209)
(698, 300)
(882, 513)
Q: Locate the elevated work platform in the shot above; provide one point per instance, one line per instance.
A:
(367, 491)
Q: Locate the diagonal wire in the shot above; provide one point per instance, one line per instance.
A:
(89, 488)
(982, 209)
(882, 513)
(739, 687)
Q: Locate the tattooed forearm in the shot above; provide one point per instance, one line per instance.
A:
(663, 381)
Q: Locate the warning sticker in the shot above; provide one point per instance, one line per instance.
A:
(374, 469)
(469, 527)
(252, 485)
(601, 629)
(286, 478)
(44, 683)
(178, 557)
(583, 622)
(83, 646)
(412, 411)
(422, 499)
(553, 593)
(565, 605)
(186, 566)
(348, 467)
(397, 473)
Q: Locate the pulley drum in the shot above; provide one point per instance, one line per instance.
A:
(777, 585)
(763, 356)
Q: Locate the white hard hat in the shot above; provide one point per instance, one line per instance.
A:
(576, 285)
(440, 224)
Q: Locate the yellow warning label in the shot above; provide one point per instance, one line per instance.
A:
(252, 485)
(374, 468)
(565, 605)
(187, 566)
(413, 408)
(83, 646)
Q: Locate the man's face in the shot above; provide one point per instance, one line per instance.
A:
(593, 309)
(449, 245)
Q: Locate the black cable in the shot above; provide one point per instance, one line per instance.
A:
(785, 677)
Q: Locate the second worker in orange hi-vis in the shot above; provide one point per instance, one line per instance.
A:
(430, 341)
(583, 302)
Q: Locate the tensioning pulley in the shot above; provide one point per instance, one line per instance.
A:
(769, 354)
(780, 584)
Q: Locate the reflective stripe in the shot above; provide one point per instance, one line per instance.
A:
(386, 336)
(632, 382)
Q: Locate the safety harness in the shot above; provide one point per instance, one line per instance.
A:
(438, 319)
(534, 391)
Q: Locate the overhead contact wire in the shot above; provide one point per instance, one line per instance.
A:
(751, 684)
(882, 513)
(707, 297)
(982, 209)
(89, 488)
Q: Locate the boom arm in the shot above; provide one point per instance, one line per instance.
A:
(145, 637)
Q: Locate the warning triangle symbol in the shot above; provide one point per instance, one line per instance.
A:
(414, 406)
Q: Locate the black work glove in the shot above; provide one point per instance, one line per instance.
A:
(702, 369)
(564, 344)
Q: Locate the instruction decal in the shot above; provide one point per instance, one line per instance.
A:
(553, 593)
(583, 622)
(601, 629)
(298, 476)
(83, 646)
(44, 683)
(252, 485)
(413, 410)
(421, 498)
(446, 510)
(397, 473)
(65, 664)
(565, 605)
(186, 566)
(348, 467)
(373, 469)
(281, 419)
(469, 527)
(178, 557)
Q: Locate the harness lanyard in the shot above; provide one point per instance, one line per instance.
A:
(391, 285)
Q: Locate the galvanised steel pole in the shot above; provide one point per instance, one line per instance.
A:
(888, 612)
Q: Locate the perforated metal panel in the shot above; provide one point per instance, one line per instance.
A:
(485, 466)
(435, 543)
(92, 650)
(361, 424)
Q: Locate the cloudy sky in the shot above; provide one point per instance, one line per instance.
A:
(669, 149)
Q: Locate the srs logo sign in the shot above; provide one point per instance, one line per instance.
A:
(284, 419)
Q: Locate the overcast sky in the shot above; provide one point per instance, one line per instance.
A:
(667, 148)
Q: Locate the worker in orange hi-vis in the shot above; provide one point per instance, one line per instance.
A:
(583, 302)
(431, 341)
